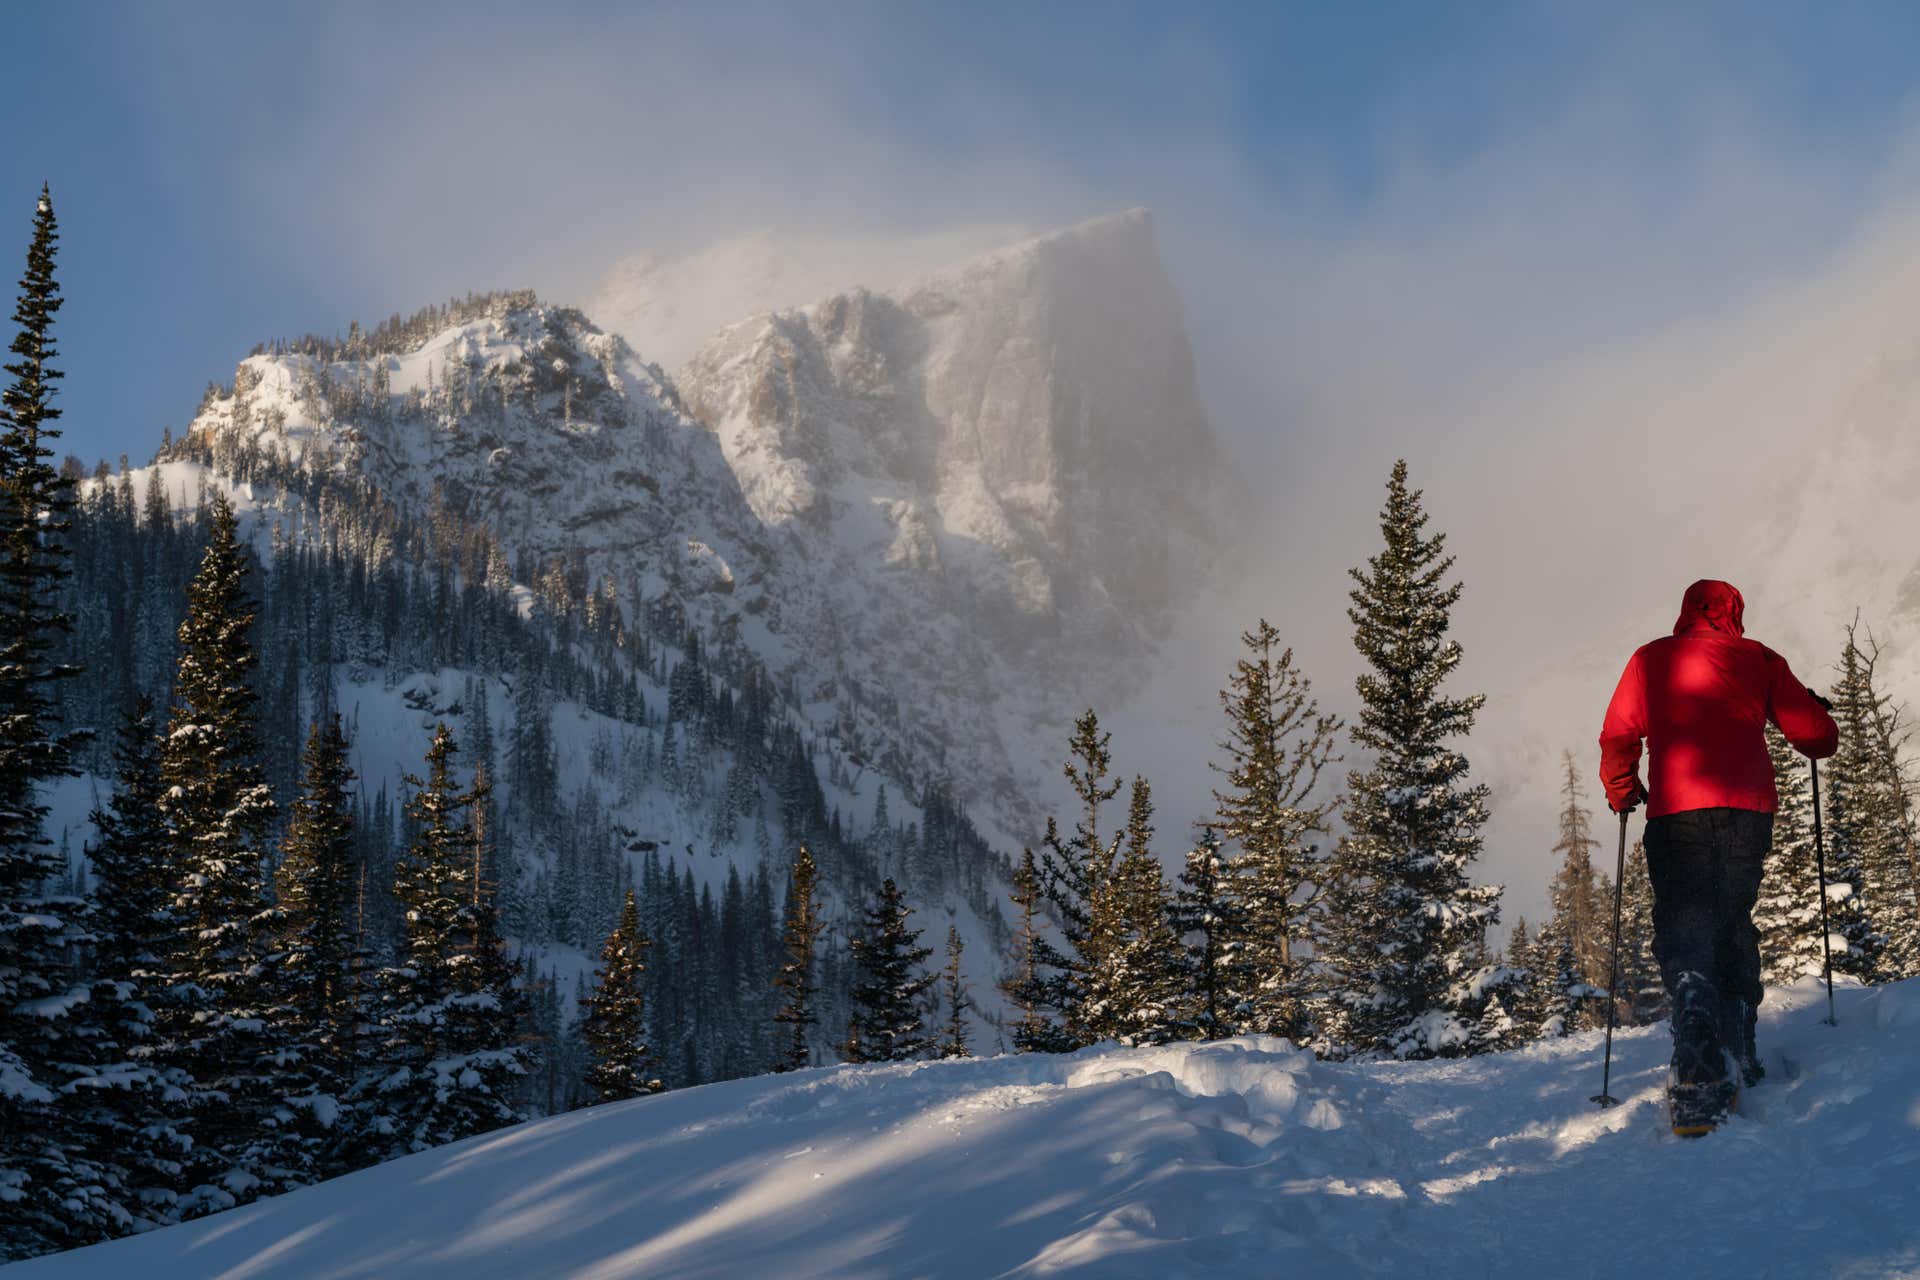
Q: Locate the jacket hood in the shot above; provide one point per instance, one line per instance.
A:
(1712, 605)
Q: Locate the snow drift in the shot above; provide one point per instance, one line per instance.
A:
(1244, 1157)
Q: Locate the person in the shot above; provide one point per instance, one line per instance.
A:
(1701, 699)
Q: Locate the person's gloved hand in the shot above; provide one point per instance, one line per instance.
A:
(1825, 703)
(1634, 800)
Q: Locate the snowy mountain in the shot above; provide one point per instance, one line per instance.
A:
(1006, 468)
(948, 517)
(1236, 1158)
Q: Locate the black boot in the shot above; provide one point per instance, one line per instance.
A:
(1700, 1090)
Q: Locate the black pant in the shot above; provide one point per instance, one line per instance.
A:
(1705, 865)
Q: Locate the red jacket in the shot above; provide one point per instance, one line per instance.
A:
(1702, 698)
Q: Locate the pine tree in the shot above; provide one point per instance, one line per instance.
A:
(1873, 810)
(133, 881)
(1496, 1032)
(1208, 918)
(128, 1105)
(1580, 903)
(42, 1182)
(954, 997)
(1788, 911)
(887, 1024)
(1277, 744)
(320, 960)
(451, 1055)
(613, 1024)
(1073, 872)
(1026, 985)
(1404, 922)
(1134, 989)
(1858, 821)
(1641, 987)
(216, 1024)
(796, 982)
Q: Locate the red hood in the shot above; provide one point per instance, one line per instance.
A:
(1712, 605)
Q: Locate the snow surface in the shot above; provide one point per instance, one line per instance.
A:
(1239, 1158)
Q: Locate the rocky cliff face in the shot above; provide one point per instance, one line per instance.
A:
(947, 517)
(1006, 464)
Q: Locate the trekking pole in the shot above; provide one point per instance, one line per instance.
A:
(1820, 861)
(1604, 1098)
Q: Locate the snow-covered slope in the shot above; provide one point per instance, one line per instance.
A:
(1239, 1158)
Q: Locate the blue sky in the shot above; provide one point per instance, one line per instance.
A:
(226, 173)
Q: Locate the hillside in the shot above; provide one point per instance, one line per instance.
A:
(1237, 1158)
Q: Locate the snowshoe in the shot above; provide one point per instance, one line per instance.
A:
(1752, 1071)
(1695, 1110)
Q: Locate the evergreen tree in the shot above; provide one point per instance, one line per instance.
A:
(887, 1023)
(128, 1106)
(1134, 990)
(1580, 899)
(1277, 743)
(320, 953)
(1208, 917)
(613, 1024)
(795, 982)
(1788, 911)
(1026, 985)
(1404, 921)
(953, 995)
(1073, 873)
(133, 880)
(1859, 822)
(1871, 811)
(451, 1056)
(217, 1024)
(1496, 1032)
(43, 1183)
(1641, 987)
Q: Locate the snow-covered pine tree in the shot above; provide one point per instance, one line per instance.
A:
(1403, 920)
(1496, 1032)
(319, 944)
(1582, 907)
(1277, 742)
(1026, 984)
(1072, 875)
(1788, 911)
(1134, 988)
(450, 1055)
(613, 1024)
(132, 876)
(128, 1110)
(1881, 806)
(216, 1024)
(42, 1182)
(1553, 992)
(956, 1001)
(887, 1024)
(1642, 992)
(1860, 822)
(795, 982)
(1206, 915)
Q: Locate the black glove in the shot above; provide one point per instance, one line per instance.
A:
(1825, 704)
